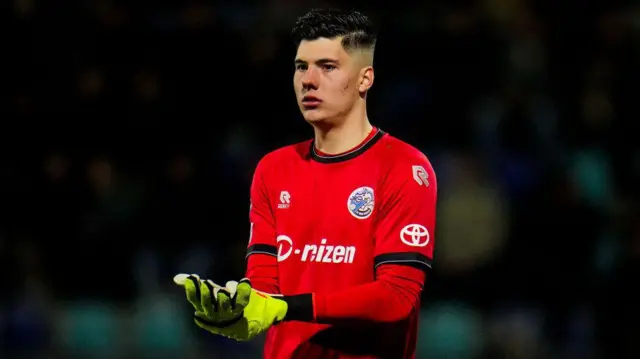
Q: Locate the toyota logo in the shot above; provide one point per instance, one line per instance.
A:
(415, 235)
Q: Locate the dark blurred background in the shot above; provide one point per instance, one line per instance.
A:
(130, 131)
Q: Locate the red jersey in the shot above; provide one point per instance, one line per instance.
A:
(322, 224)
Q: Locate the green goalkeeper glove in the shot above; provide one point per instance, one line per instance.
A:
(208, 299)
(235, 311)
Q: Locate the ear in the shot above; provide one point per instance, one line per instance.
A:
(366, 79)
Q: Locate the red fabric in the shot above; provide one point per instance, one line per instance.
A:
(262, 270)
(350, 230)
(391, 297)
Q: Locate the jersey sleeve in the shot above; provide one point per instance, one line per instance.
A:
(262, 234)
(406, 221)
(262, 265)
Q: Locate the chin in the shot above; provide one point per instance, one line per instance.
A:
(314, 116)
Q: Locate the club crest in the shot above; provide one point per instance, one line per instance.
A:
(361, 202)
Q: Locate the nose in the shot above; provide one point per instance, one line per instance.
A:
(310, 79)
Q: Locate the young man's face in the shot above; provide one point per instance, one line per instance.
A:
(327, 80)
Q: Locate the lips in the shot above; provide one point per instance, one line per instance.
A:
(310, 98)
(311, 101)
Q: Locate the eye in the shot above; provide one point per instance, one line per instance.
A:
(328, 67)
(301, 67)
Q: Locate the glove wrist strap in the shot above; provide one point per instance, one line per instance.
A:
(300, 307)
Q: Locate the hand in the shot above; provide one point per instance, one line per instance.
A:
(215, 303)
(236, 311)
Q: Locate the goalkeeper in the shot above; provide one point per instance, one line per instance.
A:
(341, 225)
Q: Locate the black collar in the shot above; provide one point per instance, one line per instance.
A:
(362, 148)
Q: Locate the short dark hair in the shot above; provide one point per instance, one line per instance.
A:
(356, 29)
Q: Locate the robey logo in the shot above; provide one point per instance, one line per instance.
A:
(420, 175)
(285, 199)
(322, 253)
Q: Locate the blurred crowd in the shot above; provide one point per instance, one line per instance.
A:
(132, 129)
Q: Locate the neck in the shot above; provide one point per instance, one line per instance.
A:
(340, 138)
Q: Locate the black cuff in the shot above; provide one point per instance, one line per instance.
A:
(300, 307)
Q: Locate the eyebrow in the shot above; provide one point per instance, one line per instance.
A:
(318, 62)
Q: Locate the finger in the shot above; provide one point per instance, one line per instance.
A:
(243, 293)
(180, 279)
(224, 301)
(231, 286)
(208, 292)
(192, 290)
(205, 322)
(201, 321)
(200, 318)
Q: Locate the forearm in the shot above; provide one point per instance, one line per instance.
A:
(392, 297)
(262, 271)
